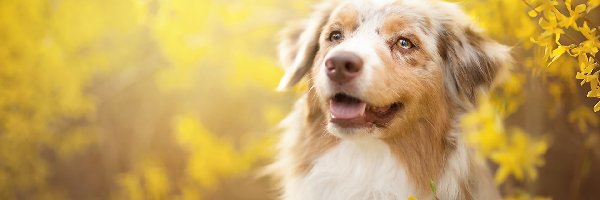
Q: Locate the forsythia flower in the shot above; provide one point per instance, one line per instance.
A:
(520, 158)
(515, 153)
(484, 128)
(583, 118)
(571, 20)
(554, 23)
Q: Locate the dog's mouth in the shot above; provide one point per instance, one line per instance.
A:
(351, 112)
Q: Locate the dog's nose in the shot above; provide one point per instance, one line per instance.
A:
(343, 67)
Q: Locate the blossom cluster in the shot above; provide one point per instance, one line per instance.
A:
(555, 24)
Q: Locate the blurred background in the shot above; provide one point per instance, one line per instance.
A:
(174, 99)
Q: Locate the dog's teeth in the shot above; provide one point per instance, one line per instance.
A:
(362, 113)
(381, 109)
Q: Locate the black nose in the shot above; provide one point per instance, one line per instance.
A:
(343, 67)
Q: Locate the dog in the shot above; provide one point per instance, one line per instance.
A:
(388, 81)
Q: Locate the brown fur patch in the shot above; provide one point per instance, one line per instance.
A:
(315, 140)
(419, 142)
(394, 23)
(467, 62)
(347, 18)
(418, 137)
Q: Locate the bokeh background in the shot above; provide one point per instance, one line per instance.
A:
(174, 99)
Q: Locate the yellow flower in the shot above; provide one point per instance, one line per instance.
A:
(520, 158)
(592, 4)
(584, 118)
(556, 53)
(590, 34)
(550, 26)
(571, 21)
(547, 7)
(586, 67)
(210, 156)
(483, 128)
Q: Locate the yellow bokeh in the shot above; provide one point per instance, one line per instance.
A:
(174, 99)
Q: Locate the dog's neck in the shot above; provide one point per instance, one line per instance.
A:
(421, 149)
(423, 152)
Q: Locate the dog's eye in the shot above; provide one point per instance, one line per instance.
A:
(405, 43)
(335, 36)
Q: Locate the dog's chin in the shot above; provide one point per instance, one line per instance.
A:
(352, 117)
(352, 133)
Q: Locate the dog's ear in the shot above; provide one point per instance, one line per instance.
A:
(299, 45)
(472, 62)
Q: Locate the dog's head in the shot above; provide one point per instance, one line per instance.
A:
(378, 65)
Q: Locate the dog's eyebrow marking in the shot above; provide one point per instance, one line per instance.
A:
(394, 23)
(347, 18)
(335, 26)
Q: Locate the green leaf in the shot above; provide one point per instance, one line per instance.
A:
(433, 189)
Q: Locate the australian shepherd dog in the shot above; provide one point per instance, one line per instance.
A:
(388, 81)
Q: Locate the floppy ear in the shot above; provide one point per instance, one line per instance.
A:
(299, 45)
(472, 61)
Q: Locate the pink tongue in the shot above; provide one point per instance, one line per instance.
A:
(340, 110)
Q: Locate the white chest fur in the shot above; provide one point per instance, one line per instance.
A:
(354, 169)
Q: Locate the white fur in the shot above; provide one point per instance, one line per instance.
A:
(354, 169)
(364, 167)
(456, 170)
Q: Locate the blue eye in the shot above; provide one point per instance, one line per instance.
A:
(405, 43)
(335, 36)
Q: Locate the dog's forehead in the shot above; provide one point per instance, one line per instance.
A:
(375, 22)
(368, 6)
(375, 12)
